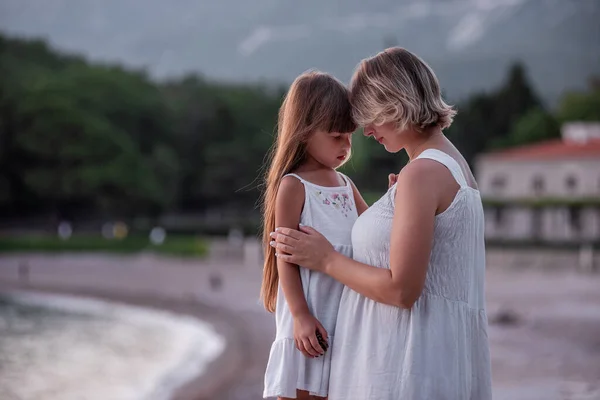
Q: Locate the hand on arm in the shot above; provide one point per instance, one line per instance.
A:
(416, 202)
(288, 208)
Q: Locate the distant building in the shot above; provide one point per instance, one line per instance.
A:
(544, 192)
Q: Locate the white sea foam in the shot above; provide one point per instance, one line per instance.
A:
(64, 347)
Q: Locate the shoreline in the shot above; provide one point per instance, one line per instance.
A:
(547, 349)
(217, 375)
(223, 290)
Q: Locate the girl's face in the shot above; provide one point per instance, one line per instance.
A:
(330, 149)
(386, 134)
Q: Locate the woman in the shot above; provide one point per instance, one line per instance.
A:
(412, 322)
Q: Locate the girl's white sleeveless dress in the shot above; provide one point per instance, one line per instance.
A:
(331, 211)
(438, 350)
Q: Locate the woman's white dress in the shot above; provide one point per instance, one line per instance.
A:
(439, 349)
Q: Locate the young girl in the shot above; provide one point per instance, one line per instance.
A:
(303, 187)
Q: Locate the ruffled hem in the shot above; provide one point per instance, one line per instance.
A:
(289, 370)
(437, 350)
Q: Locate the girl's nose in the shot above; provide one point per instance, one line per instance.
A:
(348, 141)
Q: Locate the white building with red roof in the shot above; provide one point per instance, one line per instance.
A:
(547, 192)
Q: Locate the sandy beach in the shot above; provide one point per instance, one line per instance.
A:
(544, 325)
(177, 285)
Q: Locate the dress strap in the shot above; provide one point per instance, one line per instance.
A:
(448, 161)
(304, 181)
(295, 176)
(345, 179)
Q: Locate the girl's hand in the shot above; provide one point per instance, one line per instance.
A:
(306, 248)
(305, 335)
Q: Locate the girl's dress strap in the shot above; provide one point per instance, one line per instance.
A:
(295, 176)
(346, 179)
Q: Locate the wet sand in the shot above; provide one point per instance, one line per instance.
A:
(548, 347)
(551, 350)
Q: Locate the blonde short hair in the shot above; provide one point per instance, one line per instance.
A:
(397, 86)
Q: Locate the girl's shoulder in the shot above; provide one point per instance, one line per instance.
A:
(290, 196)
(290, 185)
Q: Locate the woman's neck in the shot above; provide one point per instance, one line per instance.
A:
(420, 141)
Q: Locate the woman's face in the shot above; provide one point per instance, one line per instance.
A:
(387, 134)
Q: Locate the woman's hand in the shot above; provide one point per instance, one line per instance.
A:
(392, 179)
(305, 335)
(306, 248)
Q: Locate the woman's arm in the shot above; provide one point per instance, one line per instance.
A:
(410, 247)
(411, 239)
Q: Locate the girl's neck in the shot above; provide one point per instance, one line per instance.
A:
(312, 165)
(319, 174)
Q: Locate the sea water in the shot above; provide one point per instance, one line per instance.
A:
(68, 348)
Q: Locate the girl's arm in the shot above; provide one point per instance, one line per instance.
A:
(288, 208)
(361, 204)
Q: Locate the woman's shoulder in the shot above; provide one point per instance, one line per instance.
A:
(422, 171)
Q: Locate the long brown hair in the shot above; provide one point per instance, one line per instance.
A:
(315, 101)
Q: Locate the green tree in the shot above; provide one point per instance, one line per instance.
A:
(79, 136)
(222, 133)
(580, 106)
(101, 139)
(486, 120)
(535, 126)
(72, 155)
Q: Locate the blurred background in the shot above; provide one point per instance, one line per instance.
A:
(133, 138)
